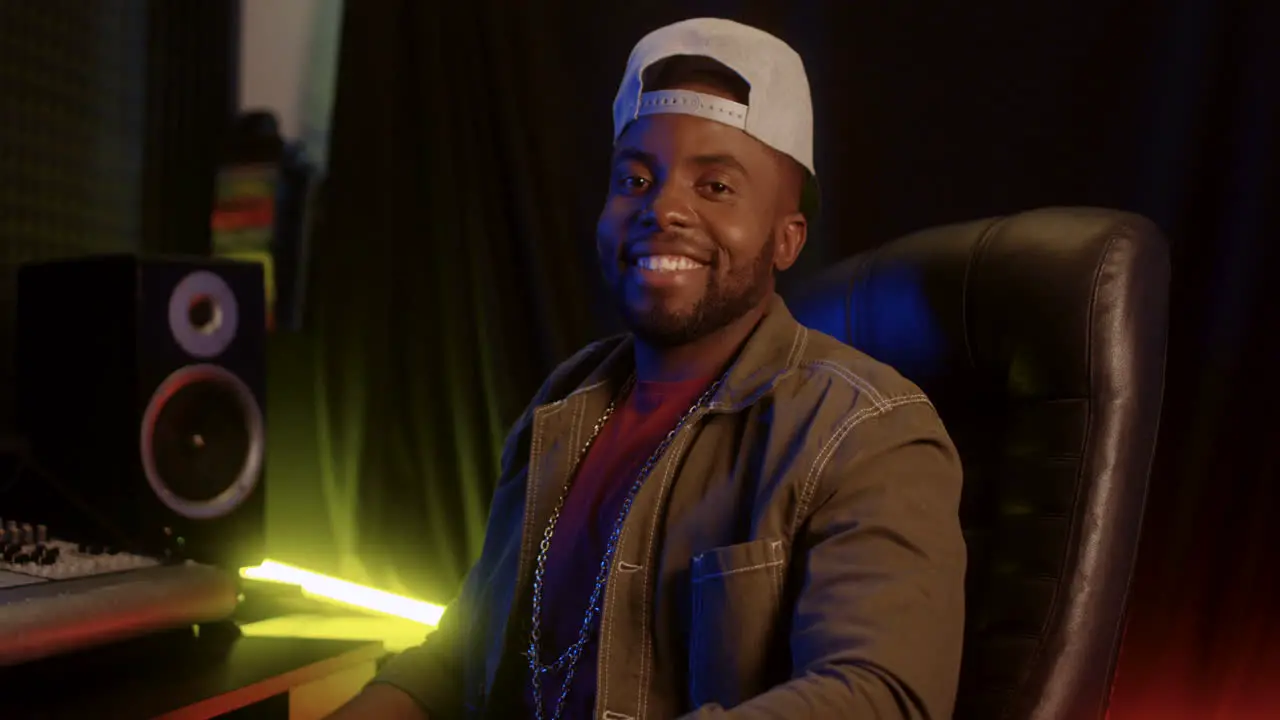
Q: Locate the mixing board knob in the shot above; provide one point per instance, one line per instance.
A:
(11, 529)
(42, 534)
(28, 534)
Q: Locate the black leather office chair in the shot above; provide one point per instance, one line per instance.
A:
(1041, 339)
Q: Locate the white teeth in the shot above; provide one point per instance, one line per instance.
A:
(667, 263)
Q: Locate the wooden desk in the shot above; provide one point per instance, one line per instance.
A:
(180, 676)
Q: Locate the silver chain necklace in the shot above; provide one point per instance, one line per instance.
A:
(568, 660)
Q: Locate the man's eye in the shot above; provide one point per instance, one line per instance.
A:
(634, 183)
(718, 188)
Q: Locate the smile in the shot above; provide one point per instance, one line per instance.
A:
(667, 263)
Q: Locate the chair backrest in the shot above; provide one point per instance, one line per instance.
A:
(1040, 337)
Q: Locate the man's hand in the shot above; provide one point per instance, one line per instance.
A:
(380, 701)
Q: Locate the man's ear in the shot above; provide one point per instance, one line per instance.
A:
(791, 233)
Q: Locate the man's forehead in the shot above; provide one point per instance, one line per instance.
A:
(697, 160)
(685, 138)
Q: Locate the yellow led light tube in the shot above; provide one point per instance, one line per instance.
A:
(347, 593)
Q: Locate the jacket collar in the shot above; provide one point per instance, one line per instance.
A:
(770, 353)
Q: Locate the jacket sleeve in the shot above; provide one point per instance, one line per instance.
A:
(879, 619)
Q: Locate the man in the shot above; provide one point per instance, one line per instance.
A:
(722, 514)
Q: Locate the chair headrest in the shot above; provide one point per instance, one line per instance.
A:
(1023, 301)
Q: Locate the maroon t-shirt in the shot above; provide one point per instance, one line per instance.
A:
(639, 424)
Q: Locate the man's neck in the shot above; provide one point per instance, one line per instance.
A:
(705, 357)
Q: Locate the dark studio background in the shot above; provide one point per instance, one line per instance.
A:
(452, 262)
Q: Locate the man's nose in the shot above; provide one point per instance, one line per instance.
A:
(667, 208)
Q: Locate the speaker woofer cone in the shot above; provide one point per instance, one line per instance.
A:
(202, 442)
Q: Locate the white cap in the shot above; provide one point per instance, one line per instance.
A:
(778, 113)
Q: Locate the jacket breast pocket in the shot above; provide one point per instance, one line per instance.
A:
(737, 596)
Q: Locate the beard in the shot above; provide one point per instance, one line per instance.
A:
(723, 301)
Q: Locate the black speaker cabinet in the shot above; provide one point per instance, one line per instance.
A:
(141, 390)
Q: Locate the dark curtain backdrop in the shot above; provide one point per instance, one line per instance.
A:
(109, 115)
(453, 266)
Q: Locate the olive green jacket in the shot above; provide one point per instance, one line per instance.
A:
(795, 554)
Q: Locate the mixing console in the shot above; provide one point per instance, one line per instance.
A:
(58, 596)
(28, 552)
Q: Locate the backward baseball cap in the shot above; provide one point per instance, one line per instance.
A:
(779, 110)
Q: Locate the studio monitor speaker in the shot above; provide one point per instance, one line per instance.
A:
(141, 390)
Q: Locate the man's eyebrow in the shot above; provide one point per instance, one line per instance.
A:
(708, 160)
(628, 153)
(720, 159)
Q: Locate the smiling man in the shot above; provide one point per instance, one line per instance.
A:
(722, 513)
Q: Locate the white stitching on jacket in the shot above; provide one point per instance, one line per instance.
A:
(672, 461)
(828, 450)
(857, 381)
(735, 571)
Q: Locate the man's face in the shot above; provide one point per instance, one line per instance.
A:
(689, 235)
